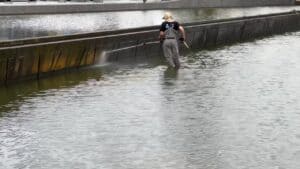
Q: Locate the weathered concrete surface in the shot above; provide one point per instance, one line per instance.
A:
(33, 58)
(10, 9)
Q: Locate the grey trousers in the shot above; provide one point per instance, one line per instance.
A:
(171, 52)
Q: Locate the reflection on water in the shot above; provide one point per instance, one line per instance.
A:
(239, 111)
(18, 27)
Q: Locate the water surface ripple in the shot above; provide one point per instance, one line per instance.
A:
(29, 26)
(240, 111)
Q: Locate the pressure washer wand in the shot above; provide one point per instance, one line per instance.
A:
(187, 46)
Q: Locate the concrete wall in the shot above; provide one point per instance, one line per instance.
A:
(10, 9)
(34, 58)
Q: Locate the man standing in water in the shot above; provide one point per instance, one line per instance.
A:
(170, 31)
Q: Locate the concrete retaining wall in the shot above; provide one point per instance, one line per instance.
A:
(12, 9)
(33, 58)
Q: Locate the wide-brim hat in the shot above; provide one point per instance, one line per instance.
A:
(167, 16)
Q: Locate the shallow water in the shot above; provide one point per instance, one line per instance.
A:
(28, 26)
(241, 110)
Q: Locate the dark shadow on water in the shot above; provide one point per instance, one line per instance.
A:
(171, 73)
(13, 95)
(170, 76)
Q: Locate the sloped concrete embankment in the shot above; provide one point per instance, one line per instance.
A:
(34, 58)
